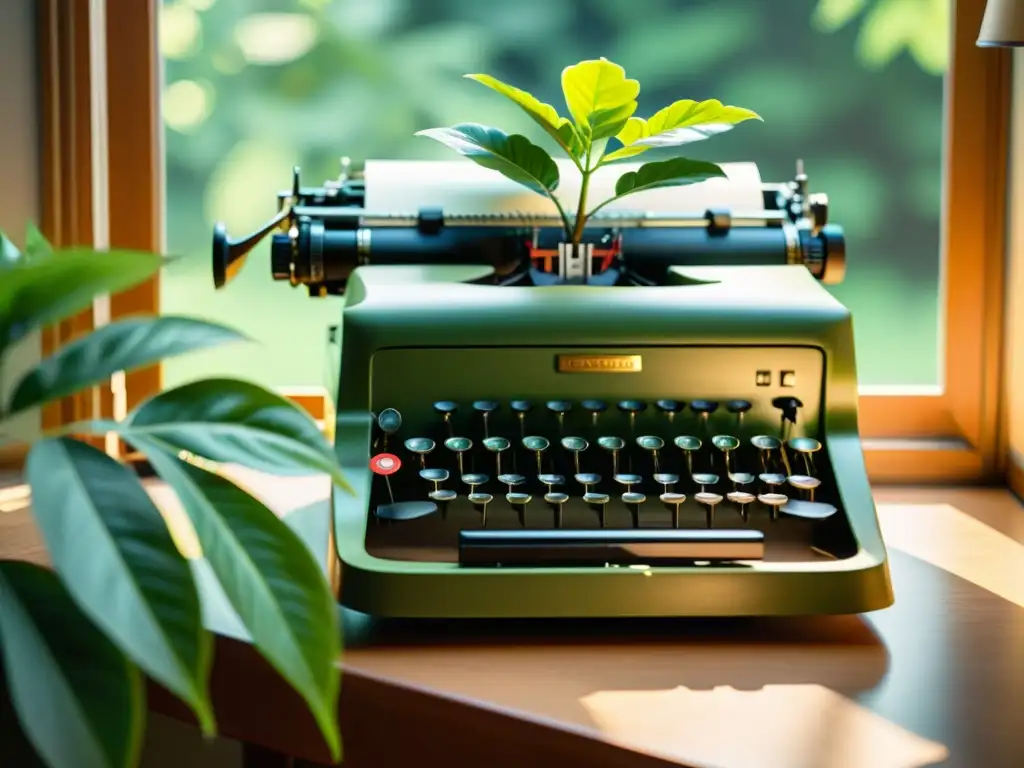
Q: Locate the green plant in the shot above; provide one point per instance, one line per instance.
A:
(601, 101)
(121, 601)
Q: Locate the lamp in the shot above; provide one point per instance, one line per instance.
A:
(1003, 25)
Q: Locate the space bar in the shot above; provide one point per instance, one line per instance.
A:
(606, 547)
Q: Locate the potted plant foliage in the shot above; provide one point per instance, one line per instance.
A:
(120, 602)
(602, 129)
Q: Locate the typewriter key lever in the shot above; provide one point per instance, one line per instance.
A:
(595, 408)
(670, 408)
(538, 445)
(520, 408)
(447, 408)
(559, 408)
(653, 444)
(496, 445)
(739, 408)
(688, 445)
(387, 464)
(704, 409)
(576, 446)
(421, 446)
(458, 446)
(613, 445)
(485, 408)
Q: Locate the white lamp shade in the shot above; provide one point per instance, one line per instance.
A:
(1003, 25)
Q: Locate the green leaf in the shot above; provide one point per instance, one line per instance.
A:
(559, 128)
(599, 96)
(111, 547)
(79, 701)
(677, 172)
(10, 256)
(35, 243)
(269, 577)
(52, 288)
(514, 156)
(123, 345)
(683, 122)
(226, 420)
(15, 747)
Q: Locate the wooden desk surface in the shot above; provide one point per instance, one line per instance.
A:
(938, 679)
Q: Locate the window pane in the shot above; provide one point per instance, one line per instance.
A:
(253, 87)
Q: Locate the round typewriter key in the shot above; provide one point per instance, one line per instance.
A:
(709, 500)
(669, 406)
(741, 498)
(806, 447)
(587, 478)
(632, 407)
(772, 478)
(672, 501)
(459, 445)
(595, 408)
(485, 408)
(631, 497)
(575, 444)
(804, 483)
(556, 498)
(611, 443)
(518, 499)
(550, 480)
(385, 464)
(406, 510)
(650, 443)
(446, 408)
(496, 445)
(389, 421)
(725, 442)
(481, 500)
(521, 408)
(688, 444)
(739, 408)
(442, 495)
(773, 501)
(598, 501)
(474, 479)
(559, 406)
(421, 446)
(765, 443)
(741, 478)
(538, 445)
(511, 480)
(808, 510)
(665, 480)
(628, 480)
(434, 475)
(704, 407)
(703, 479)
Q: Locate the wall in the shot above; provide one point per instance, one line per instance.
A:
(1014, 370)
(19, 169)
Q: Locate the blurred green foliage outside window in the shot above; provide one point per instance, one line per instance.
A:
(253, 87)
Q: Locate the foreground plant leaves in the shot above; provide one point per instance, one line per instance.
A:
(514, 156)
(232, 421)
(79, 701)
(50, 288)
(123, 345)
(112, 548)
(599, 96)
(666, 173)
(559, 128)
(680, 123)
(269, 577)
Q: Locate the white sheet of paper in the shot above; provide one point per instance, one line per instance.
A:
(463, 187)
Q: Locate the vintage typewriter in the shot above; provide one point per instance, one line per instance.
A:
(662, 422)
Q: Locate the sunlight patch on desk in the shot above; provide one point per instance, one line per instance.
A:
(15, 498)
(778, 726)
(947, 538)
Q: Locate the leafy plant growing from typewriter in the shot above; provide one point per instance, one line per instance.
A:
(121, 600)
(601, 101)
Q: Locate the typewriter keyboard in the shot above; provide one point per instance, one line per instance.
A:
(597, 482)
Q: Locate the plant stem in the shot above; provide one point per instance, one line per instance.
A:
(581, 208)
(561, 212)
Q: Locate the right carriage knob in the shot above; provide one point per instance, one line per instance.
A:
(818, 205)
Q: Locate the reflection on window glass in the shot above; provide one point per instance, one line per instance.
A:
(254, 87)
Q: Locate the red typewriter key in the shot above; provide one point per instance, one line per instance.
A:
(386, 464)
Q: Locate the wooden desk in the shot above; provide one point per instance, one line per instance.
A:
(936, 679)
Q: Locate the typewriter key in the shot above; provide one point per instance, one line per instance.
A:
(511, 481)
(406, 510)
(613, 445)
(709, 500)
(587, 479)
(670, 408)
(632, 408)
(633, 501)
(628, 480)
(458, 445)
(434, 476)
(726, 444)
(773, 501)
(741, 478)
(804, 483)
(808, 510)
(598, 502)
(386, 464)
(595, 408)
(520, 408)
(446, 408)
(789, 406)
(666, 481)
(481, 500)
(739, 408)
(704, 409)
(538, 445)
(556, 500)
(496, 445)
(473, 480)
(806, 447)
(703, 479)
(485, 408)
(550, 480)
(559, 408)
(421, 446)
(575, 445)
(765, 444)
(742, 498)
(653, 444)
(688, 445)
(389, 421)
(672, 501)
(772, 479)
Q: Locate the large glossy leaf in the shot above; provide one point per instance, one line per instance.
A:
(78, 699)
(683, 122)
(226, 420)
(559, 128)
(677, 172)
(112, 548)
(123, 345)
(270, 578)
(514, 156)
(599, 96)
(54, 287)
(15, 747)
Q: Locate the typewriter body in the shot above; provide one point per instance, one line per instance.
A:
(662, 422)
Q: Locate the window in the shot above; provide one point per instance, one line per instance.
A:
(898, 117)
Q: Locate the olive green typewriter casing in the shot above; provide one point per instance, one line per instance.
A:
(406, 331)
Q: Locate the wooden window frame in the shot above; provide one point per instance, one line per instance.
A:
(952, 435)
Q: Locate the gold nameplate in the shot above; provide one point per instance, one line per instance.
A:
(600, 363)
